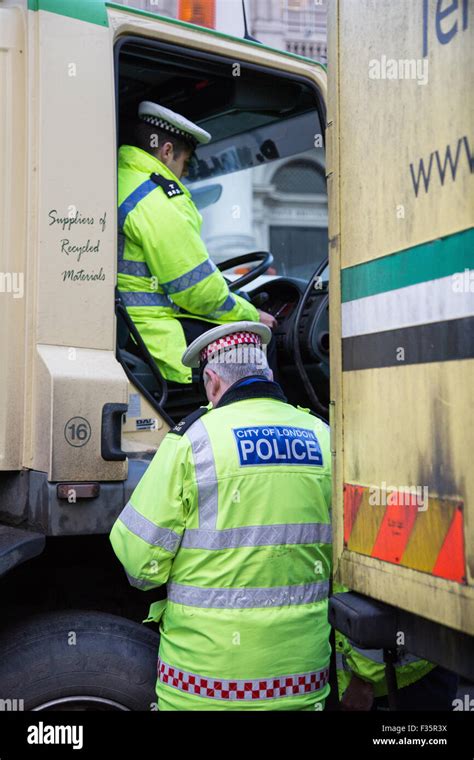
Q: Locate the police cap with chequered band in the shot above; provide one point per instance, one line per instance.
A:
(225, 336)
(169, 121)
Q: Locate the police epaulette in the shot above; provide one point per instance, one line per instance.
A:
(181, 427)
(170, 187)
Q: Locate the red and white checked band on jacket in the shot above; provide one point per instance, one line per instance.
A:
(258, 688)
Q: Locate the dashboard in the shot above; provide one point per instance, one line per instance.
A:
(281, 297)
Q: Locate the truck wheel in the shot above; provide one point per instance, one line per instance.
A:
(76, 660)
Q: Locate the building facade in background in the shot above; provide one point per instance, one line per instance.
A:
(297, 26)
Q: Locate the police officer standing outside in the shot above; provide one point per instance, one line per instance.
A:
(233, 514)
(171, 288)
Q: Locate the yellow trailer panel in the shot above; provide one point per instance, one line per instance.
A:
(400, 163)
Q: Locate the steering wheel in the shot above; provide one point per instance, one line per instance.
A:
(312, 333)
(317, 334)
(265, 257)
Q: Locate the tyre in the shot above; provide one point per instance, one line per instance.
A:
(76, 660)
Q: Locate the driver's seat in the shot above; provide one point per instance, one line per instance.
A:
(172, 400)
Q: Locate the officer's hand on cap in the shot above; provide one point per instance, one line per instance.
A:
(267, 319)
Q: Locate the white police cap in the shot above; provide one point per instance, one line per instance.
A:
(225, 336)
(164, 118)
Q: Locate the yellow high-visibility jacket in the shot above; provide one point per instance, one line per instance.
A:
(164, 269)
(233, 514)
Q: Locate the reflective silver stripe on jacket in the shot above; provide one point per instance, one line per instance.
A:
(144, 298)
(190, 278)
(134, 268)
(341, 662)
(238, 598)
(206, 478)
(127, 266)
(376, 655)
(228, 305)
(140, 583)
(143, 528)
(242, 689)
(121, 245)
(257, 535)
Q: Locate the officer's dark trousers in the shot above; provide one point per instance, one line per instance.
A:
(193, 328)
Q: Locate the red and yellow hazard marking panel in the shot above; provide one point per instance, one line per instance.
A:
(406, 528)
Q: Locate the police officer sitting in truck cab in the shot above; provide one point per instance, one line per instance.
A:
(169, 285)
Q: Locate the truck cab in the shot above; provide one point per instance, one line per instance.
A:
(84, 408)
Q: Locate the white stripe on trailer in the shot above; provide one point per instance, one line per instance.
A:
(433, 301)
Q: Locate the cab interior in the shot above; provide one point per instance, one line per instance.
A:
(257, 117)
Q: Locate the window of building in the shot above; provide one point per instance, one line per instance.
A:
(303, 177)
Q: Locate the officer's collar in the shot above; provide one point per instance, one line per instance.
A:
(141, 160)
(253, 386)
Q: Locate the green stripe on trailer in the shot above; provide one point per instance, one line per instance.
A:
(429, 261)
(93, 11)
